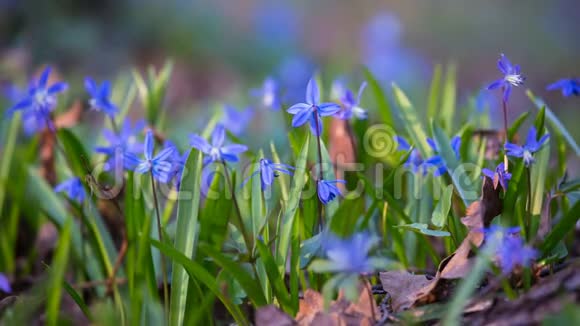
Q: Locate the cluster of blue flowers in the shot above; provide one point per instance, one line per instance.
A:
(417, 164)
(510, 249)
(350, 255)
(125, 151)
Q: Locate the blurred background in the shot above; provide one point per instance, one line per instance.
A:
(222, 48)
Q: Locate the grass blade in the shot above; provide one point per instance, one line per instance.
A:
(186, 236)
(292, 205)
(565, 225)
(411, 119)
(434, 92)
(7, 156)
(57, 270)
(466, 191)
(78, 300)
(556, 124)
(197, 271)
(275, 278)
(385, 110)
(250, 285)
(447, 113)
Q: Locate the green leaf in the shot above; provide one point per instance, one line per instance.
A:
(258, 217)
(515, 126)
(197, 271)
(56, 274)
(74, 151)
(186, 236)
(277, 280)
(41, 193)
(538, 174)
(423, 228)
(540, 122)
(78, 300)
(434, 92)
(447, 114)
(439, 217)
(385, 110)
(216, 212)
(309, 249)
(7, 156)
(292, 205)
(466, 191)
(412, 123)
(565, 225)
(152, 91)
(283, 178)
(250, 285)
(553, 120)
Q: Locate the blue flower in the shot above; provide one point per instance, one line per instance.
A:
(268, 171)
(217, 151)
(511, 77)
(121, 143)
(32, 122)
(177, 163)
(100, 97)
(160, 166)
(312, 110)
(352, 104)
(268, 94)
(510, 249)
(327, 190)
(502, 175)
(569, 86)
(531, 146)
(74, 189)
(5, 284)
(236, 121)
(350, 255)
(437, 160)
(40, 99)
(416, 163)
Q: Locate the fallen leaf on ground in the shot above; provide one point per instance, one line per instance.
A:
(408, 289)
(311, 311)
(407, 285)
(341, 148)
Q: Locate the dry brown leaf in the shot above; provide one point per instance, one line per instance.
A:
(311, 311)
(494, 140)
(71, 117)
(407, 289)
(312, 303)
(47, 146)
(271, 315)
(341, 148)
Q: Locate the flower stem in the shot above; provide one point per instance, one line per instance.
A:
(160, 231)
(238, 211)
(529, 204)
(320, 172)
(507, 288)
(505, 130)
(114, 125)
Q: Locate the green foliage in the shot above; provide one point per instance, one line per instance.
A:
(186, 237)
(270, 252)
